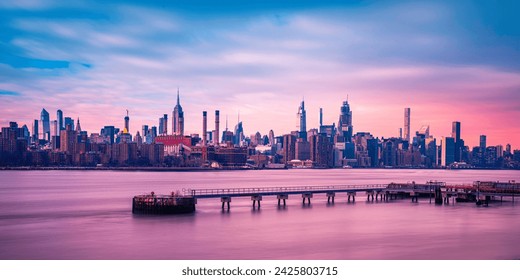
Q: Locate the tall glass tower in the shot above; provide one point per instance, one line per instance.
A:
(345, 122)
(46, 125)
(59, 118)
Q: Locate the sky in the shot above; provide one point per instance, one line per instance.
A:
(446, 60)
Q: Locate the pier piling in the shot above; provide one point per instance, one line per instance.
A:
(282, 197)
(330, 196)
(307, 196)
(225, 200)
(256, 198)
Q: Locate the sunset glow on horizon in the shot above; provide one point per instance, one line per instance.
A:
(446, 61)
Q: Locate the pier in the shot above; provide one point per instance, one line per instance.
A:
(440, 193)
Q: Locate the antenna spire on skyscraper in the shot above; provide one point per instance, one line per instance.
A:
(178, 99)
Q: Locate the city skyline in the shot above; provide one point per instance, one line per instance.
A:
(447, 61)
(126, 119)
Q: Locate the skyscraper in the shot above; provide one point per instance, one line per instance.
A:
(407, 124)
(447, 151)
(108, 132)
(302, 117)
(127, 123)
(459, 143)
(345, 122)
(69, 122)
(35, 130)
(483, 144)
(165, 124)
(46, 125)
(178, 118)
(55, 130)
(239, 134)
(59, 118)
(455, 131)
(145, 130)
(271, 137)
(161, 126)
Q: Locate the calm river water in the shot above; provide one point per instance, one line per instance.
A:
(87, 215)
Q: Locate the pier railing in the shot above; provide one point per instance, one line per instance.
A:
(281, 190)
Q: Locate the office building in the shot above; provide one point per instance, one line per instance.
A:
(45, 125)
(447, 151)
(345, 128)
(59, 118)
(483, 143)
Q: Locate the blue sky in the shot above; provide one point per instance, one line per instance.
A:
(447, 60)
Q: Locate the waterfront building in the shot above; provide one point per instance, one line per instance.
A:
(302, 149)
(13, 143)
(289, 147)
(124, 153)
(231, 156)
(178, 118)
(174, 144)
(321, 150)
(153, 153)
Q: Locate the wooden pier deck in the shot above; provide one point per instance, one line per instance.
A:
(480, 192)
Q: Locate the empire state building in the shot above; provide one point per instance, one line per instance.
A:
(178, 118)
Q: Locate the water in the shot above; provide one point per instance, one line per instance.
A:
(87, 215)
